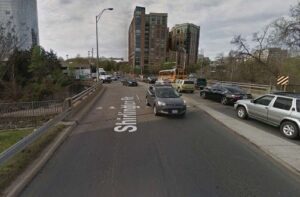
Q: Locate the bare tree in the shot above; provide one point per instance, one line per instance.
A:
(261, 42)
(9, 43)
(287, 30)
(10, 38)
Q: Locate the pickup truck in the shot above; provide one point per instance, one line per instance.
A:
(104, 77)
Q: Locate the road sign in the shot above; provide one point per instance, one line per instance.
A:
(283, 80)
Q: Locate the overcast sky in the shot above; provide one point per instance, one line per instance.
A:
(68, 26)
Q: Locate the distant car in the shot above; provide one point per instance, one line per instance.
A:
(184, 85)
(165, 100)
(163, 82)
(114, 78)
(130, 82)
(200, 83)
(225, 93)
(151, 79)
(280, 110)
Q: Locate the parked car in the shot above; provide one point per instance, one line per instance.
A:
(280, 110)
(114, 78)
(129, 82)
(165, 100)
(184, 85)
(200, 83)
(224, 93)
(151, 79)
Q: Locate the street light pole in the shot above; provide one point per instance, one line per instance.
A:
(97, 43)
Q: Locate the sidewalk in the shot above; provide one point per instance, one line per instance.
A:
(280, 149)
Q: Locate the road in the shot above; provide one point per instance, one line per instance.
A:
(229, 111)
(165, 156)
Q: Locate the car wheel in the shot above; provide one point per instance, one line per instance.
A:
(242, 112)
(224, 100)
(147, 103)
(289, 129)
(155, 111)
(203, 95)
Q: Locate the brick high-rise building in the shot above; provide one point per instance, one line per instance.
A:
(184, 40)
(147, 40)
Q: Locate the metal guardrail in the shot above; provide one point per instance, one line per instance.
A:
(28, 114)
(23, 143)
(248, 86)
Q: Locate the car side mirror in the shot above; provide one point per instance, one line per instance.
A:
(252, 101)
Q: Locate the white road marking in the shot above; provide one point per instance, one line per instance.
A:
(127, 119)
(138, 98)
(138, 107)
(99, 108)
(112, 107)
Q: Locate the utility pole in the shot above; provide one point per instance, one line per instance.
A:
(97, 43)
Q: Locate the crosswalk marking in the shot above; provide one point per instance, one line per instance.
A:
(112, 107)
(99, 108)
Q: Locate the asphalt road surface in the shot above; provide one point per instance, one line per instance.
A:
(229, 111)
(165, 156)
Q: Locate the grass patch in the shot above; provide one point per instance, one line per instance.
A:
(17, 164)
(10, 137)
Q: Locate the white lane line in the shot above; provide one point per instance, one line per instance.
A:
(138, 107)
(99, 108)
(112, 107)
(138, 98)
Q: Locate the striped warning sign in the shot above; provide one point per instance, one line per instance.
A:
(283, 80)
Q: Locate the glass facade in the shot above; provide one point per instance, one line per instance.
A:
(20, 18)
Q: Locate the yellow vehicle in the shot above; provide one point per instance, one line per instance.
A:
(172, 74)
(184, 85)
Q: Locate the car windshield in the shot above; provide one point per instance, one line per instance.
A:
(166, 93)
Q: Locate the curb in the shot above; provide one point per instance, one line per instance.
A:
(81, 113)
(17, 186)
(27, 176)
(278, 160)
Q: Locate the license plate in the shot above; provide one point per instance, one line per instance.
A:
(174, 111)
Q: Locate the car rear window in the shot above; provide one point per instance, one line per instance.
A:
(298, 105)
(201, 80)
(188, 82)
(283, 103)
